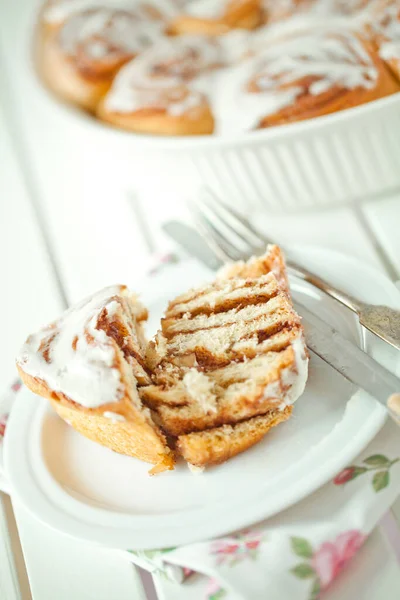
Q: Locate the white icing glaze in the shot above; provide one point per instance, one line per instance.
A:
(390, 50)
(60, 10)
(184, 102)
(206, 9)
(296, 380)
(104, 31)
(292, 381)
(173, 75)
(81, 358)
(388, 27)
(284, 8)
(114, 417)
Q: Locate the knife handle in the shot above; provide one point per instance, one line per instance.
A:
(393, 405)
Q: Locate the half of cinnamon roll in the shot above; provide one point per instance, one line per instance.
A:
(89, 364)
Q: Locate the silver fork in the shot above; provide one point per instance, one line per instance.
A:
(232, 237)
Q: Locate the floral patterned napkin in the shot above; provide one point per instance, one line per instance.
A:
(298, 553)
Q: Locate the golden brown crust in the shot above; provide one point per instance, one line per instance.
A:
(198, 121)
(215, 446)
(273, 261)
(134, 437)
(188, 25)
(394, 66)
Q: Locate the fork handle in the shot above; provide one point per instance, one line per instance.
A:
(345, 299)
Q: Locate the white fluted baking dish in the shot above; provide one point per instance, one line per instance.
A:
(340, 158)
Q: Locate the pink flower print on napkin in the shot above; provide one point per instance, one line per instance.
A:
(324, 564)
(214, 591)
(346, 475)
(241, 546)
(331, 557)
(379, 464)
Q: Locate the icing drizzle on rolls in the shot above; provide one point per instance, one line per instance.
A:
(288, 63)
(103, 34)
(75, 356)
(174, 75)
(388, 28)
(60, 10)
(284, 8)
(206, 9)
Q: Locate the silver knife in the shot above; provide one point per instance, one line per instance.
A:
(190, 240)
(351, 362)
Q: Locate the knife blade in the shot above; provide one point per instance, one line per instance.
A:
(350, 361)
(192, 242)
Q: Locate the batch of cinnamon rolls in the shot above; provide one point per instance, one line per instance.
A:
(198, 67)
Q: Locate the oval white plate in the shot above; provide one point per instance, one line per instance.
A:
(89, 492)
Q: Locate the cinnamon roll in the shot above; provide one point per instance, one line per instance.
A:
(89, 364)
(296, 75)
(80, 59)
(167, 89)
(213, 17)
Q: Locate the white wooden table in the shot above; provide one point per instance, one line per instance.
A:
(67, 226)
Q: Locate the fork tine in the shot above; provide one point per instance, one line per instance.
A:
(227, 213)
(207, 235)
(230, 250)
(227, 231)
(218, 243)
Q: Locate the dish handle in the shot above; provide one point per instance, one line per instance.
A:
(7, 400)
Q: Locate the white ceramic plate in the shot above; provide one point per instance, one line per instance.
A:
(89, 492)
